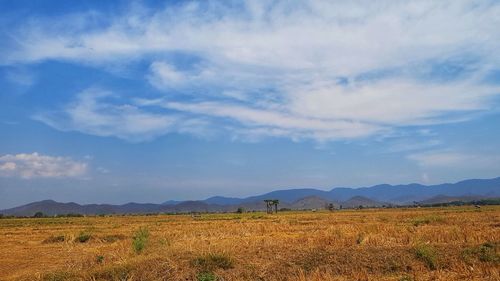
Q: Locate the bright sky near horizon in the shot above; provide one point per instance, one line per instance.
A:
(148, 101)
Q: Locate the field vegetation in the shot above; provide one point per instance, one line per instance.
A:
(453, 243)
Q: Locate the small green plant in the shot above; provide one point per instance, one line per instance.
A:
(83, 237)
(99, 259)
(140, 240)
(206, 276)
(211, 262)
(427, 254)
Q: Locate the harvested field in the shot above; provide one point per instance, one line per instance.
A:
(374, 244)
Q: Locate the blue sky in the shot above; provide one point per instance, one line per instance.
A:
(119, 101)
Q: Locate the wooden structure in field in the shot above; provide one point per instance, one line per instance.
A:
(272, 205)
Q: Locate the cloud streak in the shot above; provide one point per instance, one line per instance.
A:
(95, 112)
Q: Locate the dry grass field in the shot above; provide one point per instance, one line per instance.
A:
(383, 244)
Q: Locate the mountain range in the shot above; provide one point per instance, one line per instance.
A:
(305, 198)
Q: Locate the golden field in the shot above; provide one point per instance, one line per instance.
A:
(460, 243)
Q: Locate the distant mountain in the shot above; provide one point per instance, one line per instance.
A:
(395, 194)
(305, 198)
(311, 202)
(171, 202)
(220, 200)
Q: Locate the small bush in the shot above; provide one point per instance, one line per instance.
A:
(99, 259)
(83, 237)
(486, 252)
(54, 239)
(212, 262)
(427, 254)
(140, 240)
(206, 276)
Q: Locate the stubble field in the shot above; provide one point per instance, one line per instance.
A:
(376, 244)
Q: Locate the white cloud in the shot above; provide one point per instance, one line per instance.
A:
(274, 122)
(322, 70)
(93, 112)
(35, 165)
(166, 76)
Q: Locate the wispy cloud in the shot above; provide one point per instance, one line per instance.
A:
(28, 166)
(454, 159)
(100, 112)
(321, 70)
(96, 112)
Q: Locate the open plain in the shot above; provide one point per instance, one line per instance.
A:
(459, 243)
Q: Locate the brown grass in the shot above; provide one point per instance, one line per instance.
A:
(385, 244)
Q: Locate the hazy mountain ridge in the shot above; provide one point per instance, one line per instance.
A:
(305, 198)
(395, 194)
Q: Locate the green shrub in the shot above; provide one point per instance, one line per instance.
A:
(140, 240)
(487, 253)
(206, 276)
(83, 237)
(99, 259)
(211, 262)
(427, 254)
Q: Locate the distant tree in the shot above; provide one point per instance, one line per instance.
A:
(275, 203)
(272, 204)
(38, 215)
(1, 216)
(240, 210)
